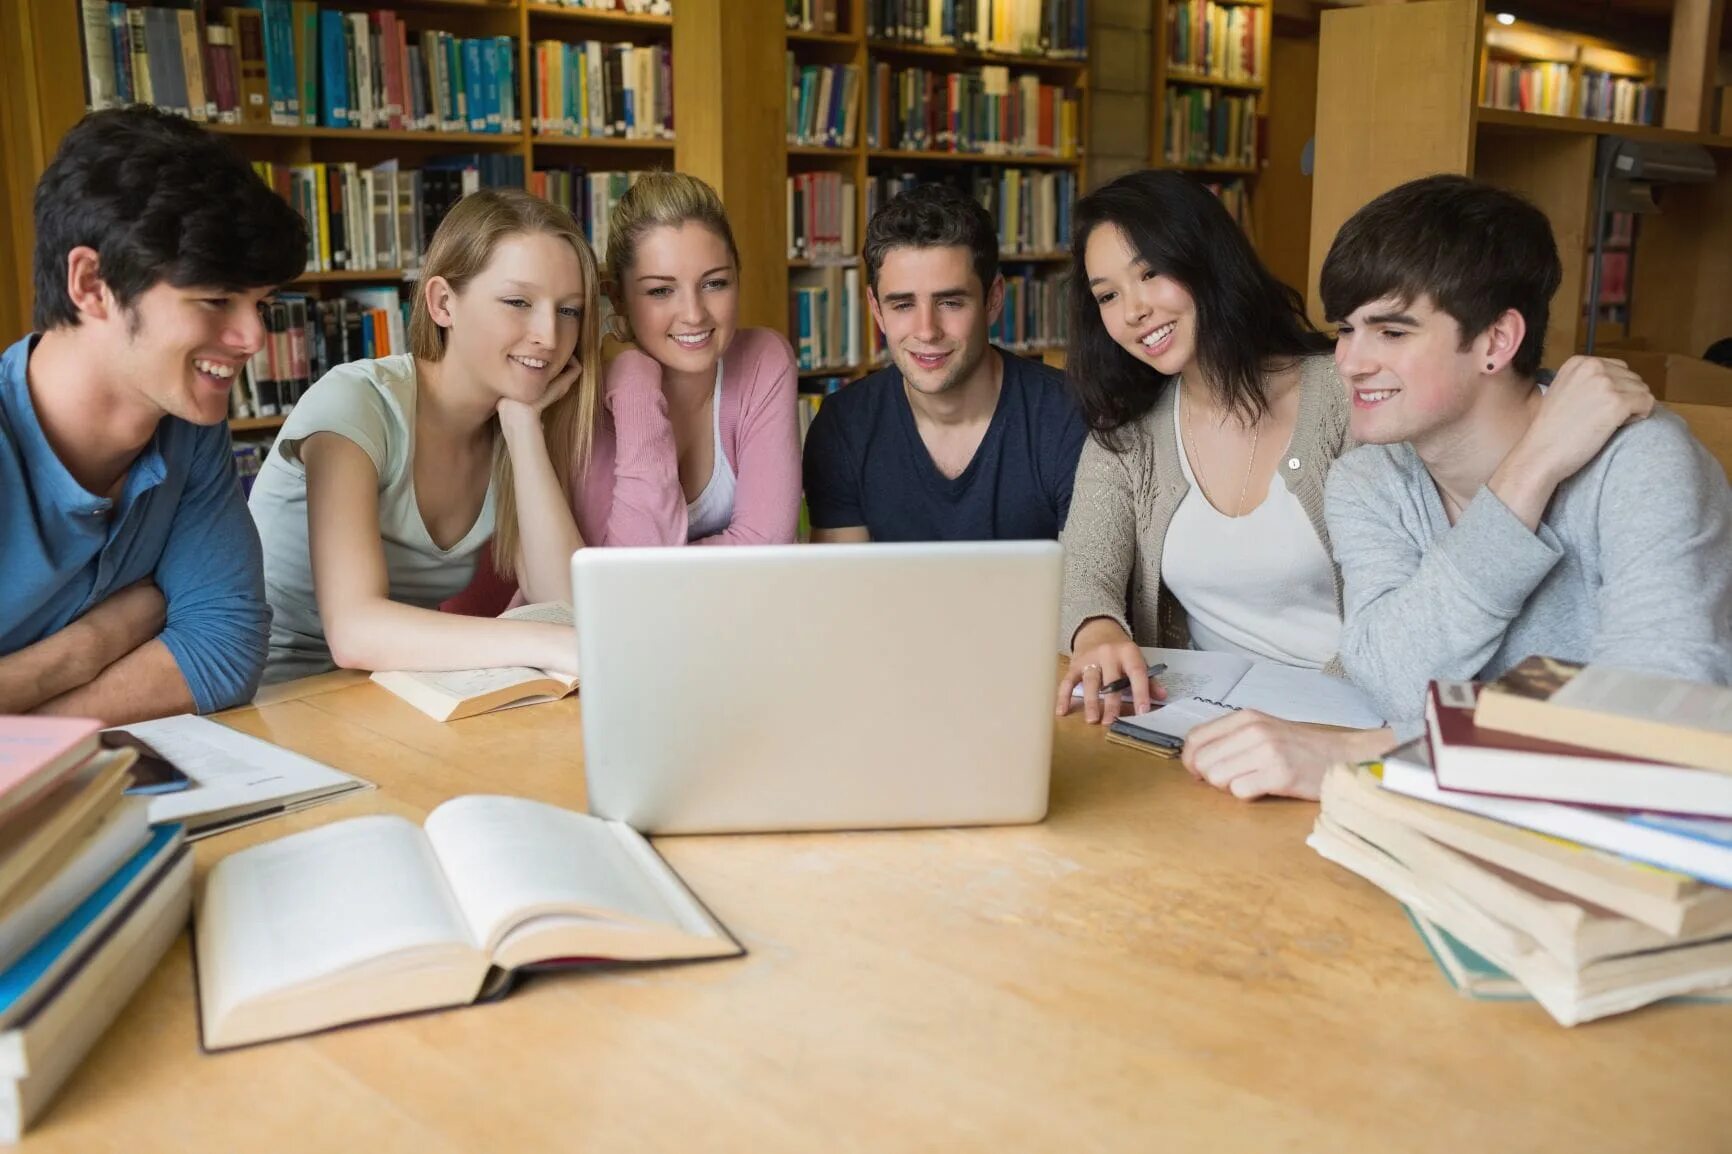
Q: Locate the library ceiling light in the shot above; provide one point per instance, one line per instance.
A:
(1505, 18)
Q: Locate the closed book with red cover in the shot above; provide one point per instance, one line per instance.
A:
(38, 753)
(1476, 760)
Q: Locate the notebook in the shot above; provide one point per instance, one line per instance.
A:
(1204, 686)
(37, 753)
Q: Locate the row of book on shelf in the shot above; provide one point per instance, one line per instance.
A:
(828, 321)
(306, 337)
(380, 217)
(289, 63)
(982, 110)
(1031, 207)
(813, 15)
(1562, 833)
(1207, 126)
(1022, 27)
(821, 224)
(1556, 90)
(1221, 41)
(823, 104)
(592, 89)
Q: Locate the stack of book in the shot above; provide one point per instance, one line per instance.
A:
(812, 15)
(289, 63)
(821, 218)
(1207, 127)
(91, 896)
(1032, 207)
(1220, 41)
(596, 89)
(1035, 310)
(1026, 27)
(825, 312)
(984, 110)
(1237, 199)
(1618, 98)
(823, 104)
(590, 197)
(1543, 87)
(306, 338)
(1569, 825)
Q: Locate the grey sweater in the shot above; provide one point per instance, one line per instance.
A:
(1122, 503)
(1631, 566)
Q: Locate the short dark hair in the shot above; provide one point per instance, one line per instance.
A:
(1475, 250)
(159, 199)
(933, 216)
(1246, 318)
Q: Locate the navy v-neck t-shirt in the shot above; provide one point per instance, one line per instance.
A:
(865, 464)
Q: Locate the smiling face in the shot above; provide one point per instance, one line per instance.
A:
(1407, 370)
(1148, 314)
(515, 325)
(182, 349)
(682, 296)
(934, 314)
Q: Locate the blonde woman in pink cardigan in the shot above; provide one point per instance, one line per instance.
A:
(698, 442)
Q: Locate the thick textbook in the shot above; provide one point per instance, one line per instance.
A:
(376, 917)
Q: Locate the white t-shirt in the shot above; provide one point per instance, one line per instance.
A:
(712, 511)
(371, 403)
(1261, 585)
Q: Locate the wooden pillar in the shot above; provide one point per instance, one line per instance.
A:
(729, 124)
(1691, 64)
(1396, 89)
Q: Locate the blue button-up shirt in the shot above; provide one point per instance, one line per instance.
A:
(180, 520)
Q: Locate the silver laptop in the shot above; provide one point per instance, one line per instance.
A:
(807, 687)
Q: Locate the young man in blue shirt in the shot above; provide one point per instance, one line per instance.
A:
(130, 568)
(958, 440)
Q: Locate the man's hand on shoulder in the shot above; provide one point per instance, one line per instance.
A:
(1589, 400)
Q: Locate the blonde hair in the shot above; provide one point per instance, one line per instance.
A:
(463, 245)
(660, 200)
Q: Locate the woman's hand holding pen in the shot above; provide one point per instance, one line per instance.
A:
(1105, 662)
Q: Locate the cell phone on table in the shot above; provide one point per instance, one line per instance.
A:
(152, 772)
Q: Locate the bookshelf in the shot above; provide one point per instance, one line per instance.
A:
(1209, 95)
(850, 34)
(734, 142)
(1421, 110)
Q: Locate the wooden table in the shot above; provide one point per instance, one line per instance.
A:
(1156, 967)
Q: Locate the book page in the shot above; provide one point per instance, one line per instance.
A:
(230, 770)
(506, 856)
(550, 612)
(1193, 673)
(1177, 718)
(1602, 689)
(463, 684)
(1304, 695)
(314, 904)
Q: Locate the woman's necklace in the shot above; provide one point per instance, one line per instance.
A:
(1197, 463)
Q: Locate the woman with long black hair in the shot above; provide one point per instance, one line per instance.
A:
(1196, 519)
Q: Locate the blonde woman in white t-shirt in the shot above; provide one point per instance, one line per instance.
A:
(1197, 513)
(392, 474)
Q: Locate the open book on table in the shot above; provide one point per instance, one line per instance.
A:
(376, 917)
(452, 694)
(1202, 686)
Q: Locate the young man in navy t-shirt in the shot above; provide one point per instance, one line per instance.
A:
(958, 440)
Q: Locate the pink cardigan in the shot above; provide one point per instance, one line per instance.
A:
(631, 493)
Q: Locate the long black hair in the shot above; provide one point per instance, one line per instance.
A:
(1246, 319)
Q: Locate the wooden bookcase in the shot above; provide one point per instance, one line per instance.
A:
(859, 163)
(727, 119)
(1399, 97)
(1169, 81)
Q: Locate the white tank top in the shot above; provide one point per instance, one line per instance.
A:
(1261, 585)
(713, 509)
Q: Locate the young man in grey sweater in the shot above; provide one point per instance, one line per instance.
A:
(1487, 517)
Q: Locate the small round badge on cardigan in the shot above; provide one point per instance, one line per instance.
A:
(1292, 462)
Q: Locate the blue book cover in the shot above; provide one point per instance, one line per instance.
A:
(50, 955)
(485, 52)
(454, 84)
(333, 51)
(369, 339)
(474, 87)
(280, 14)
(122, 37)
